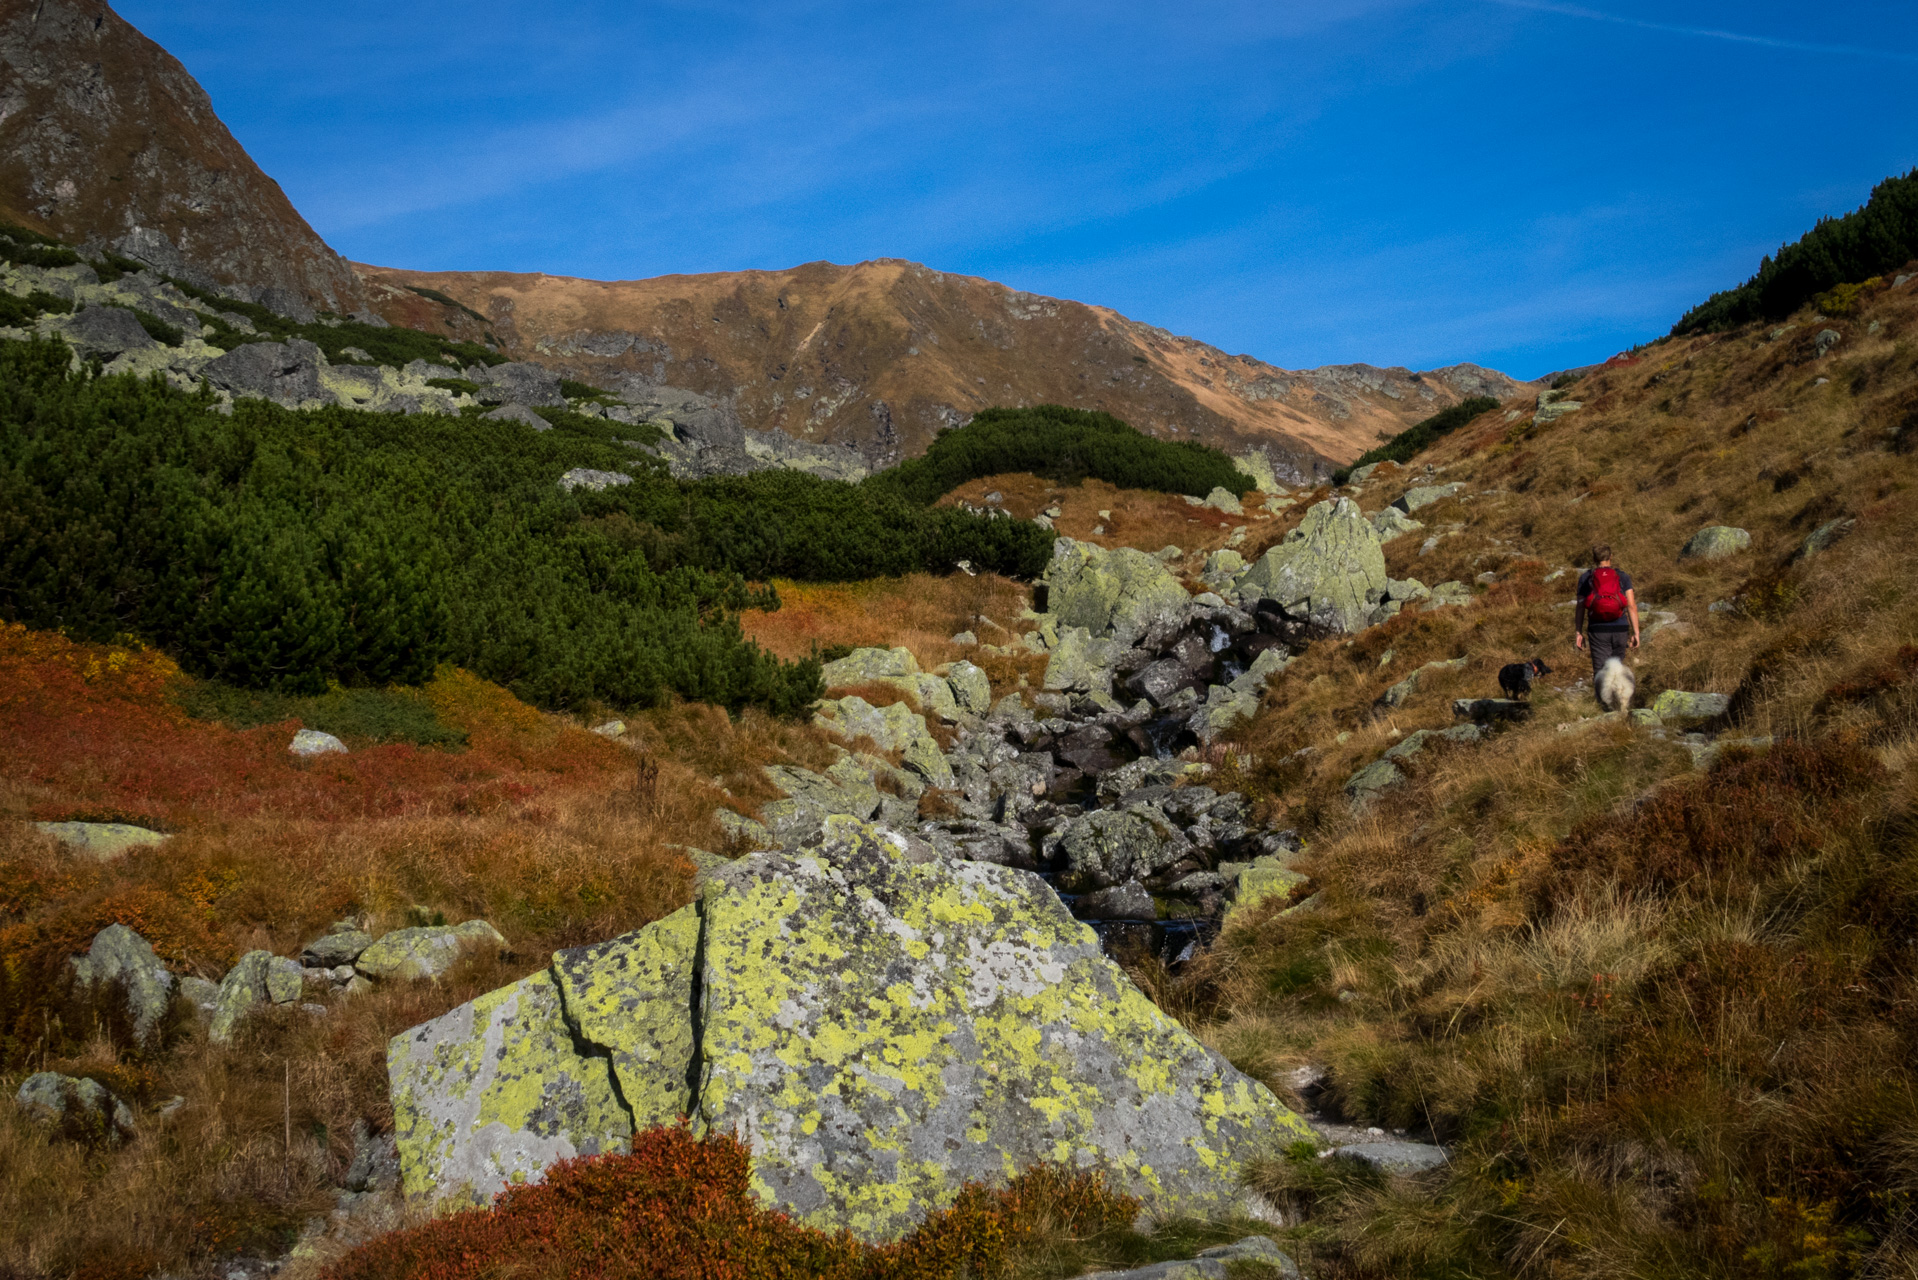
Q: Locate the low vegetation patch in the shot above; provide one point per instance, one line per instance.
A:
(678, 1206)
(1061, 445)
(1402, 447)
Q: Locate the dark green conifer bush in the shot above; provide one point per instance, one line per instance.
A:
(1063, 445)
(1401, 447)
(1868, 241)
(285, 550)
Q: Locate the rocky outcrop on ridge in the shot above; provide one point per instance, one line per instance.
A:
(879, 1022)
(697, 437)
(109, 142)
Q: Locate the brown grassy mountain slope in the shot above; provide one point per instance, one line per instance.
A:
(103, 132)
(882, 355)
(1660, 1006)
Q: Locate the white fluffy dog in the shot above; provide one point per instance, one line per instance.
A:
(1615, 685)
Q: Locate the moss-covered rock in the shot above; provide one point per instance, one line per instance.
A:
(426, 952)
(121, 957)
(895, 727)
(1715, 542)
(1114, 594)
(260, 977)
(1330, 570)
(879, 1023)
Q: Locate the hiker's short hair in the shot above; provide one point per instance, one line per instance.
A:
(1600, 553)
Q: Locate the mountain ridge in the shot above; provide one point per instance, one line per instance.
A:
(883, 354)
(112, 143)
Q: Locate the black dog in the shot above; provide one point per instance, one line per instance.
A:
(1515, 680)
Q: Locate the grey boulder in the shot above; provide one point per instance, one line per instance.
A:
(120, 957)
(1715, 542)
(518, 413)
(75, 1103)
(341, 945)
(1111, 846)
(1394, 1157)
(1253, 1258)
(260, 978)
(1425, 495)
(106, 331)
(1128, 901)
(1329, 571)
(522, 382)
(285, 372)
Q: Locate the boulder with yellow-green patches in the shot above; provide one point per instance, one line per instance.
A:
(494, 1092)
(633, 997)
(880, 1024)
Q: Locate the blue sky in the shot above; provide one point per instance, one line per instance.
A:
(1522, 183)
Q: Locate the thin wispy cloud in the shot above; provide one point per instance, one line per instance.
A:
(1708, 33)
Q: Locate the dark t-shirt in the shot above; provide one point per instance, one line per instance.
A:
(1624, 622)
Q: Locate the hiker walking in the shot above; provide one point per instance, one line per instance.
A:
(1607, 611)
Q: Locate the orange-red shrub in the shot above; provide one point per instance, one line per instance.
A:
(679, 1207)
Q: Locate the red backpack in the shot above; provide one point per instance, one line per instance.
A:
(1605, 602)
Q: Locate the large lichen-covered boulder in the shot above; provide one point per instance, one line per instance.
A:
(1324, 569)
(880, 1024)
(1114, 594)
(121, 956)
(492, 1093)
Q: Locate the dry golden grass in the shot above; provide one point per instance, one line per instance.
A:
(920, 611)
(1138, 518)
(1661, 1015)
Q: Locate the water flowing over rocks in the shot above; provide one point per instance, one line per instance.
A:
(878, 1021)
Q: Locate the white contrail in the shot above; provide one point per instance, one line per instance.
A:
(1710, 33)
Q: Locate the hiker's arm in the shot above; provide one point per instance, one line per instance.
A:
(1631, 611)
(1578, 624)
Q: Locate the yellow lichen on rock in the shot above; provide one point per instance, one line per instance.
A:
(633, 996)
(880, 1024)
(494, 1092)
(871, 1092)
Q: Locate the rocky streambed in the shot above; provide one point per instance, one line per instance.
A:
(1097, 781)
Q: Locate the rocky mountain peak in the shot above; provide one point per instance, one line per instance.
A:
(109, 142)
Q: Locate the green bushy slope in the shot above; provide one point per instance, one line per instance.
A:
(283, 550)
(1419, 435)
(1866, 242)
(1061, 445)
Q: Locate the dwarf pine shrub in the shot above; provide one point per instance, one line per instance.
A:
(280, 550)
(1868, 241)
(1062, 445)
(1401, 447)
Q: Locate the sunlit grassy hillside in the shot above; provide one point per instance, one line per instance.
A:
(1660, 998)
